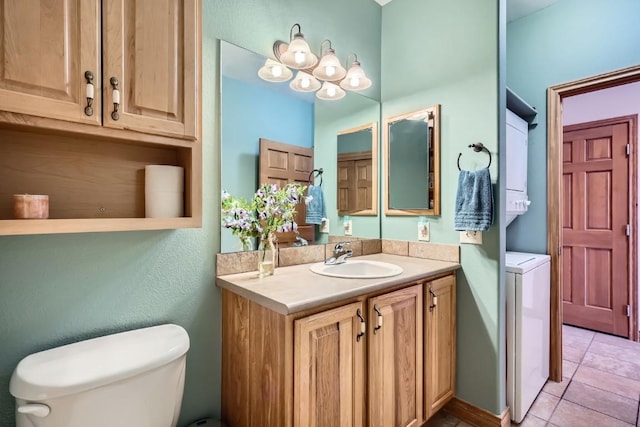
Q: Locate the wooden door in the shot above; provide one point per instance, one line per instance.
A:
(346, 186)
(395, 358)
(281, 164)
(46, 46)
(595, 251)
(152, 48)
(440, 343)
(355, 182)
(329, 367)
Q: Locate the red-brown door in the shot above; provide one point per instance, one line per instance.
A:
(596, 200)
(281, 164)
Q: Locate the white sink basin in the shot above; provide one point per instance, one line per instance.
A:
(357, 269)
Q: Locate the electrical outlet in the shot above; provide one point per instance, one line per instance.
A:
(423, 231)
(471, 237)
(348, 230)
(324, 226)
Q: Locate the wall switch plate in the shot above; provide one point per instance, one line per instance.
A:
(324, 226)
(348, 229)
(471, 237)
(423, 231)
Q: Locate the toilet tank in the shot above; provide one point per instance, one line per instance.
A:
(129, 379)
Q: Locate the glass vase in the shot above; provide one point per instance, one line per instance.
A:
(245, 244)
(267, 256)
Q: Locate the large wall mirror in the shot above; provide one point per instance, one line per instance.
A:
(411, 147)
(358, 170)
(252, 109)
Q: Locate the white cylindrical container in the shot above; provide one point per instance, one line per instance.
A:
(164, 191)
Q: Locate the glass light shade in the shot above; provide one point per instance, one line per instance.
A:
(304, 82)
(356, 79)
(330, 92)
(273, 71)
(298, 54)
(329, 68)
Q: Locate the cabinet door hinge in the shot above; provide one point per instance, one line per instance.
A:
(628, 230)
(628, 149)
(628, 310)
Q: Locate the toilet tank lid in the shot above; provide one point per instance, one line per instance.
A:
(84, 365)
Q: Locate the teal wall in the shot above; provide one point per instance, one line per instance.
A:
(355, 142)
(330, 119)
(57, 289)
(249, 113)
(436, 52)
(567, 41)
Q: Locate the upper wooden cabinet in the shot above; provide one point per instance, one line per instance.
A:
(150, 56)
(62, 134)
(46, 48)
(138, 60)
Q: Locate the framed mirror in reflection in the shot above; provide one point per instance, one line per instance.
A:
(252, 109)
(411, 147)
(358, 170)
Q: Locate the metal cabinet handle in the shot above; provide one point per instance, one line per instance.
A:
(363, 325)
(88, 110)
(379, 313)
(115, 97)
(434, 299)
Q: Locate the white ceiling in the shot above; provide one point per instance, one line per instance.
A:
(515, 8)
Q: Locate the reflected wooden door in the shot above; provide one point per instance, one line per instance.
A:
(596, 200)
(281, 164)
(355, 182)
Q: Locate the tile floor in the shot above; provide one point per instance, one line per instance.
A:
(600, 388)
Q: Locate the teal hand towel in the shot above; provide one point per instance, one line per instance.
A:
(316, 209)
(474, 201)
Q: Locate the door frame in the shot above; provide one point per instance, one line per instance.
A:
(555, 94)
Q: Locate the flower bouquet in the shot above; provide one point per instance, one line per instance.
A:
(272, 209)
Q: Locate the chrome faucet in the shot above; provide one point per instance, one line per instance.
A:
(340, 254)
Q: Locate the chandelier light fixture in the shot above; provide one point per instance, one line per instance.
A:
(273, 71)
(297, 55)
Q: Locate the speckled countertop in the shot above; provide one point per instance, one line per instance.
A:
(296, 288)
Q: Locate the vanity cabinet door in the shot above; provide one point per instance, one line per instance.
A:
(395, 358)
(440, 343)
(46, 47)
(329, 368)
(151, 58)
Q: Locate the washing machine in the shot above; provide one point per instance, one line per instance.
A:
(528, 322)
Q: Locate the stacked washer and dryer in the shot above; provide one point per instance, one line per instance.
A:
(527, 288)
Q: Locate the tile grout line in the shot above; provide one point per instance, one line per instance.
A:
(591, 341)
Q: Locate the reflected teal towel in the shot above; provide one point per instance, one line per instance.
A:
(316, 210)
(474, 201)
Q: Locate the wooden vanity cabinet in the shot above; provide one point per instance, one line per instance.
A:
(88, 157)
(354, 363)
(395, 358)
(439, 343)
(329, 368)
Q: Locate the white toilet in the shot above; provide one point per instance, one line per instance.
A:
(130, 379)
